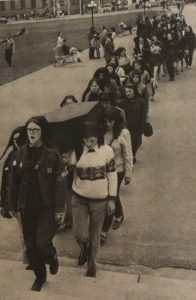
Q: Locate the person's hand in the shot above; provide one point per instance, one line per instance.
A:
(59, 218)
(127, 180)
(111, 207)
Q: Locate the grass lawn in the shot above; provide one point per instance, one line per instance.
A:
(34, 50)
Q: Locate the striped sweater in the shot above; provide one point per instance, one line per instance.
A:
(95, 173)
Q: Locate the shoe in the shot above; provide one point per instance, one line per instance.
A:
(79, 60)
(82, 259)
(117, 223)
(172, 79)
(29, 267)
(67, 226)
(103, 238)
(54, 266)
(91, 273)
(134, 160)
(37, 285)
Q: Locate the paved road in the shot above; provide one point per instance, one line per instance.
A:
(160, 206)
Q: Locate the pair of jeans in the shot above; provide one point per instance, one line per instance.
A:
(88, 221)
(38, 227)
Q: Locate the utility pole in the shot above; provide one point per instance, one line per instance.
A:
(91, 5)
(68, 8)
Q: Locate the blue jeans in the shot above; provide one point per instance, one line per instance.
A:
(88, 216)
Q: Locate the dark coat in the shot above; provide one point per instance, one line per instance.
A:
(6, 179)
(135, 112)
(51, 178)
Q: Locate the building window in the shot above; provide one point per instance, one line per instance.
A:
(22, 4)
(12, 5)
(33, 3)
(2, 5)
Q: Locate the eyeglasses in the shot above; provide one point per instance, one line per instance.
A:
(33, 130)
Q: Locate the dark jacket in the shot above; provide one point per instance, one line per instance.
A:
(190, 41)
(135, 112)
(51, 178)
(6, 179)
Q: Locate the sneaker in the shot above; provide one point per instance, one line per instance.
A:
(117, 223)
(37, 285)
(82, 259)
(91, 273)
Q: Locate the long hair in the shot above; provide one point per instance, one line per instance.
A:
(106, 77)
(20, 140)
(43, 124)
(93, 129)
(113, 114)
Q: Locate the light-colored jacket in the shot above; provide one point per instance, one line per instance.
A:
(122, 148)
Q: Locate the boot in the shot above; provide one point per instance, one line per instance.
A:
(82, 259)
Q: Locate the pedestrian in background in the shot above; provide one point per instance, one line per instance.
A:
(9, 49)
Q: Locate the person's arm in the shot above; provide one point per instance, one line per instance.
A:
(112, 180)
(60, 184)
(14, 184)
(127, 153)
(111, 173)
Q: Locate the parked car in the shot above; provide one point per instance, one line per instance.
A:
(3, 20)
(107, 7)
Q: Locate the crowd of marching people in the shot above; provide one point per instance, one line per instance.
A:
(39, 180)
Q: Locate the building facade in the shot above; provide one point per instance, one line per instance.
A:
(30, 7)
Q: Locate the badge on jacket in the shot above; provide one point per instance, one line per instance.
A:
(49, 170)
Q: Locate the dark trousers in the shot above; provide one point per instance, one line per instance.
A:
(38, 227)
(8, 56)
(118, 206)
(91, 52)
(189, 58)
(136, 140)
(108, 220)
(170, 68)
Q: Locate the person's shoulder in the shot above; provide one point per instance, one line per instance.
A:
(52, 151)
(107, 149)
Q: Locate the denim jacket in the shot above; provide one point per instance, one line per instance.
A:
(51, 176)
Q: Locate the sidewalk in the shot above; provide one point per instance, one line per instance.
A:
(71, 284)
(42, 91)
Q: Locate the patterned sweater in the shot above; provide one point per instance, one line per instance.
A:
(95, 173)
